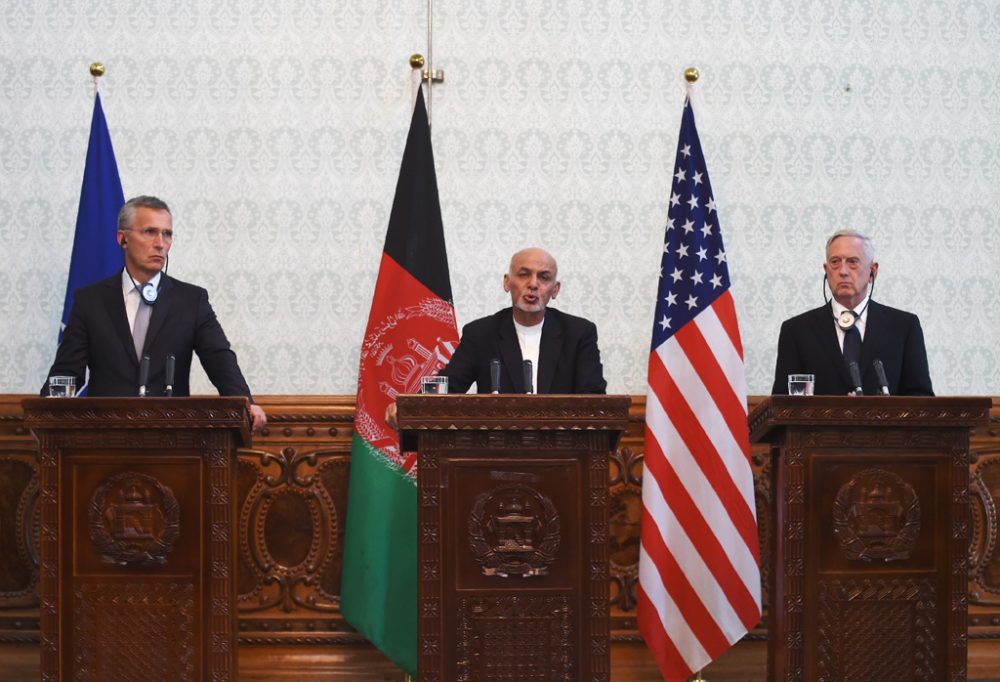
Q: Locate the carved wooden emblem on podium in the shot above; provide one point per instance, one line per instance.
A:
(876, 516)
(134, 519)
(514, 531)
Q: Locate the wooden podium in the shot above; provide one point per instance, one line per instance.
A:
(138, 536)
(870, 525)
(512, 496)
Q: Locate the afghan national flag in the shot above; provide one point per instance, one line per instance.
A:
(411, 334)
(96, 253)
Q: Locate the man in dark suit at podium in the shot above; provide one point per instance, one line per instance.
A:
(562, 347)
(142, 311)
(853, 328)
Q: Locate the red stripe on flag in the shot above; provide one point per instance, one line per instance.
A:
(725, 309)
(703, 450)
(698, 618)
(696, 348)
(699, 532)
(669, 660)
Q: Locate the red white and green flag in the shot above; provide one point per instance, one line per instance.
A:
(411, 334)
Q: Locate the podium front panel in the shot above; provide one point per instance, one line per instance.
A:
(512, 539)
(137, 538)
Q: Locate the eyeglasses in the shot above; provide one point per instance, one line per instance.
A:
(152, 233)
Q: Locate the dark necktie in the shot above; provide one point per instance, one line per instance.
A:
(852, 344)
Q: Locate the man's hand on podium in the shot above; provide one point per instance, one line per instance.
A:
(390, 416)
(259, 418)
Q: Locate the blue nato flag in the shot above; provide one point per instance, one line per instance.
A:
(96, 253)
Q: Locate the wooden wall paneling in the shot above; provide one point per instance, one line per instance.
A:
(293, 493)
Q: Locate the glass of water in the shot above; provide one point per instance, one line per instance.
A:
(434, 384)
(62, 387)
(801, 384)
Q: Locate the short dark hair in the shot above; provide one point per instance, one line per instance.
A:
(127, 213)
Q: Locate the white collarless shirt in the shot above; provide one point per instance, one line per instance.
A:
(530, 339)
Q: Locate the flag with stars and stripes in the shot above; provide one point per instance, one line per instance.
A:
(699, 576)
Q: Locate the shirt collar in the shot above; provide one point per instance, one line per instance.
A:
(128, 287)
(860, 311)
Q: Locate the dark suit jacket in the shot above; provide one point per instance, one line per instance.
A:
(98, 336)
(568, 358)
(808, 344)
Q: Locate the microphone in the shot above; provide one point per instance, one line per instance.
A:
(880, 373)
(171, 361)
(495, 375)
(528, 385)
(855, 378)
(143, 375)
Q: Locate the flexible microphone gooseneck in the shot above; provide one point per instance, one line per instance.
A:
(143, 375)
(855, 377)
(495, 375)
(171, 362)
(883, 382)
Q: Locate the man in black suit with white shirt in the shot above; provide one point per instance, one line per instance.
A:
(851, 326)
(143, 311)
(562, 347)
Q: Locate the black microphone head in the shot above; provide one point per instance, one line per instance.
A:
(171, 364)
(495, 375)
(855, 372)
(143, 374)
(528, 384)
(883, 381)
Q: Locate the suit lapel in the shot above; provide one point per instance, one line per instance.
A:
(868, 343)
(830, 343)
(114, 304)
(510, 352)
(548, 352)
(160, 311)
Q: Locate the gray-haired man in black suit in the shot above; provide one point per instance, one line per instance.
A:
(850, 327)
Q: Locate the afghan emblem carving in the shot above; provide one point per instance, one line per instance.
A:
(134, 519)
(876, 516)
(514, 531)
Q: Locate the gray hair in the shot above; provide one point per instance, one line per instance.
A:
(866, 242)
(127, 213)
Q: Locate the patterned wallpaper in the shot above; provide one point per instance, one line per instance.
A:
(275, 130)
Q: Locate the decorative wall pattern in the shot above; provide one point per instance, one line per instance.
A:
(275, 130)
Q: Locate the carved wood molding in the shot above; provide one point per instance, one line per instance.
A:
(305, 455)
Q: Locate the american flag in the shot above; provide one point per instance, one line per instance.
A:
(699, 576)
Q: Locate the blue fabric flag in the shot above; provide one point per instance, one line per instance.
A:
(96, 253)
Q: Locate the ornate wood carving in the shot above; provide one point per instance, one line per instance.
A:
(512, 535)
(301, 464)
(855, 613)
(867, 483)
(121, 606)
(134, 519)
(515, 638)
(114, 623)
(876, 516)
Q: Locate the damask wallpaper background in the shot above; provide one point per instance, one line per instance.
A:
(275, 131)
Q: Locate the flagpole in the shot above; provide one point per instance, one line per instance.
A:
(691, 76)
(430, 63)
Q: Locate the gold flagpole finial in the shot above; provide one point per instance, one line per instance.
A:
(97, 69)
(416, 61)
(691, 74)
